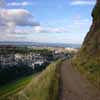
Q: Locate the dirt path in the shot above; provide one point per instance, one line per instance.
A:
(74, 86)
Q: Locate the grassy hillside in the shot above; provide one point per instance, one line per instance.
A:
(88, 58)
(42, 87)
(15, 86)
(90, 67)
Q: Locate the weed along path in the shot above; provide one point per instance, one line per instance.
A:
(74, 86)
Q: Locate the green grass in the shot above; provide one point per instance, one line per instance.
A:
(90, 67)
(15, 86)
(44, 86)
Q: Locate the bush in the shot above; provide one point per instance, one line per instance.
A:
(8, 74)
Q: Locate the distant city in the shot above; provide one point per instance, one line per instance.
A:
(37, 44)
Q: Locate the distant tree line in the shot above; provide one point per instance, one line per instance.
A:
(24, 50)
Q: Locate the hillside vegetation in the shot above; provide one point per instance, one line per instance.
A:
(88, 58)
(42, 87)
(15, 86)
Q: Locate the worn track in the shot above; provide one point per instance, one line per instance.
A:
(74, 86)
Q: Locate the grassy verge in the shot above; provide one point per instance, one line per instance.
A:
(43, 87)
(14, 87)
(90, 67)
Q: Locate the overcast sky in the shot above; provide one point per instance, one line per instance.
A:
(55, 21)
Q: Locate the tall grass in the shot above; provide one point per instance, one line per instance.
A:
(90, 67)
(43, 87)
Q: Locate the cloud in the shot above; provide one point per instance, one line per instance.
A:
(19, 3)
(82, 2)
(27, 34)
(20, 17)
(13, 37)
(13, 21)
(40, 29)
(50, 30)
(10, 18)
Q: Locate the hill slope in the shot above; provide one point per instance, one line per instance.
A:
(42, 87)
(88, 58)
(91, 43)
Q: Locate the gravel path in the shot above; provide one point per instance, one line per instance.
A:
(74, 86)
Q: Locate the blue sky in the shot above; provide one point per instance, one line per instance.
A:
(55, 21)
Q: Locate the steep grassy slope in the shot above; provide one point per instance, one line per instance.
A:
(15, 86)
(88, 59)
(43, 87)
(91, 43)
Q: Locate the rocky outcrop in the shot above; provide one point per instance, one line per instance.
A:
(91, 43)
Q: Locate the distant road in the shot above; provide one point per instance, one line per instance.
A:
(73, 86)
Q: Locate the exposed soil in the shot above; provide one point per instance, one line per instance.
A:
(74, 86)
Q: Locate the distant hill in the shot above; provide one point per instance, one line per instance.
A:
(40, 44)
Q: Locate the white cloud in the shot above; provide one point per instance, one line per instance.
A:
(10, 18)
(40, 29)
(82, 2)
(19, 3)
(20, 17)
(13, 37)
(27, 34)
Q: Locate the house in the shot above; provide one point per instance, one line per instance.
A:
(7, 55)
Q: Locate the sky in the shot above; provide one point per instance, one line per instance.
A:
(52, 21)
